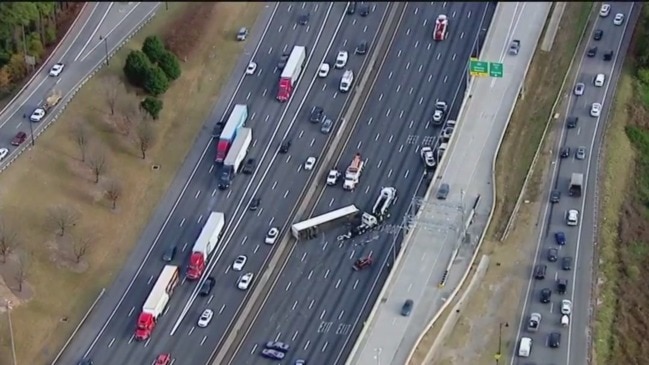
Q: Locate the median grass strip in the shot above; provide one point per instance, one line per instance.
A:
(475, 337)
(58, 289)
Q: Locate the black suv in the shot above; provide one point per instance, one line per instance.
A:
(351, 8)
(546, 294)
(562, 286)
(169, 254)
(539, 272)
(304, 19)
(317, 115)
(361, 49)
(565, 152)
(566, 263)
(555, 196)
(554, 340)
(285, 146)
(598, 34)
(254, 204)
(592, 52)
(553, 254)
(572, 122)
(249, 167)
(608, 56)
(282, 61)
(207, 286)
(365, 10)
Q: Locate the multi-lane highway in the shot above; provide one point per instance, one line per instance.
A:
(580, 240)
(82, 51)
(278, 181)
(318, 302)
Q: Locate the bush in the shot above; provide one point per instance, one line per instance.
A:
(169, 64)
(153, 106)
(153, 48)
(156, 82)
(136, 68)
(643, 76)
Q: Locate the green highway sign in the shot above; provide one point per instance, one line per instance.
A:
(478, 68)
(485, 68)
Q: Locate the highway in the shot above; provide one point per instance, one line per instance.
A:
(82, 52)
(581, 240)
(318, 303)
(108, 336)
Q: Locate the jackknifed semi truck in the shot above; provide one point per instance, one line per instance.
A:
(236, 120)
(156, 302)
(206, 242)
(235, 157)
(291, 73)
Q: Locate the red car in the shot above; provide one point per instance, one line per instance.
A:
(360, 264)
(163, 359)
(19, 139)
(441, 28)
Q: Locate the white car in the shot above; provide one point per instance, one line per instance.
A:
(309, 163)
(428, 157)
(599, 80)
(205, 318)
(3, 153)
(332, 178)
(438, 115)
(595, 110)
(245, 281)
(56, 69)
(605, 10)
(447, 132)
(37, 115)
(572, 217)
(271, 236)
(341, 59)
(323, 71)
(252, 68)
(579, 88)
(619, 19)
(239, 263)
(566, 307)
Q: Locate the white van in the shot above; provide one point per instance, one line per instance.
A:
(599, 80)
(346, 81)
(525, 348)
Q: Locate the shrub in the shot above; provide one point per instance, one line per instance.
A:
(136, 68)
(156, 82)
(153, 106)
(643, 76)
(169, 64)
(153, 48)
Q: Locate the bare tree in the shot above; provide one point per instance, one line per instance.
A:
(131, 114)
(80, 136)
(81, 243)
(113, 191)
(8, 240)
(112, 86)
(63, 218)
(145, 136)
(22, 269)
(98, 163)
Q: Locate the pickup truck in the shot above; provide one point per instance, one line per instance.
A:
(514, 47)
(534, 323)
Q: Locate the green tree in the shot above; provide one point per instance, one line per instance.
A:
(643, 76)
(153, 48)
(136, 68)
(153, 106)
(156, 82)
(168, 62)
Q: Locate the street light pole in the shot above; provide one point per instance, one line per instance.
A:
(31, 131)
(105, 39)
(500, 341)
(11, 331)
(378, 356)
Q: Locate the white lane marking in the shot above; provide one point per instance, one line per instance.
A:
(92, 35)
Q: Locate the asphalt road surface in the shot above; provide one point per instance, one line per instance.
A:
(581, 240)
(278, 181)
(318, 302)
(82, 51)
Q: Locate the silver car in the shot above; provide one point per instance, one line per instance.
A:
(580, 154)
(579, 88)
(326, 127)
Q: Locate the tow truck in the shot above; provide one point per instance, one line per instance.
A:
(362, 263)
(441, 28)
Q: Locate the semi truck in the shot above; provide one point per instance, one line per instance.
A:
(387, 197)
(576, 184)
(353, 173)
(156, 302)
(235, 157)
(236, 120)
(291, 73)
(205, 244)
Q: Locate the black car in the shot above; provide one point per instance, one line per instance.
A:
(566, 263)
(249, 167)
(364, 10)
(539, 272)
(565, 152)
(254, 204)
(406, 309)
(592, 52)
(361, 49)
(608, 56)
(546, 295)
(218, 128)
(304, 19)
(282, 61)
(317, 115)
(598, 34)
(554, 340)
(277, 345)
(351, 8)
(553, 254)
(555, 196)
(285, 146)
(562, 286)
(207, 286)
(169, 254)
(572, 122)
(443, 191)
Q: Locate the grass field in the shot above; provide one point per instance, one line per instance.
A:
(51, 174)
(474, 338)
